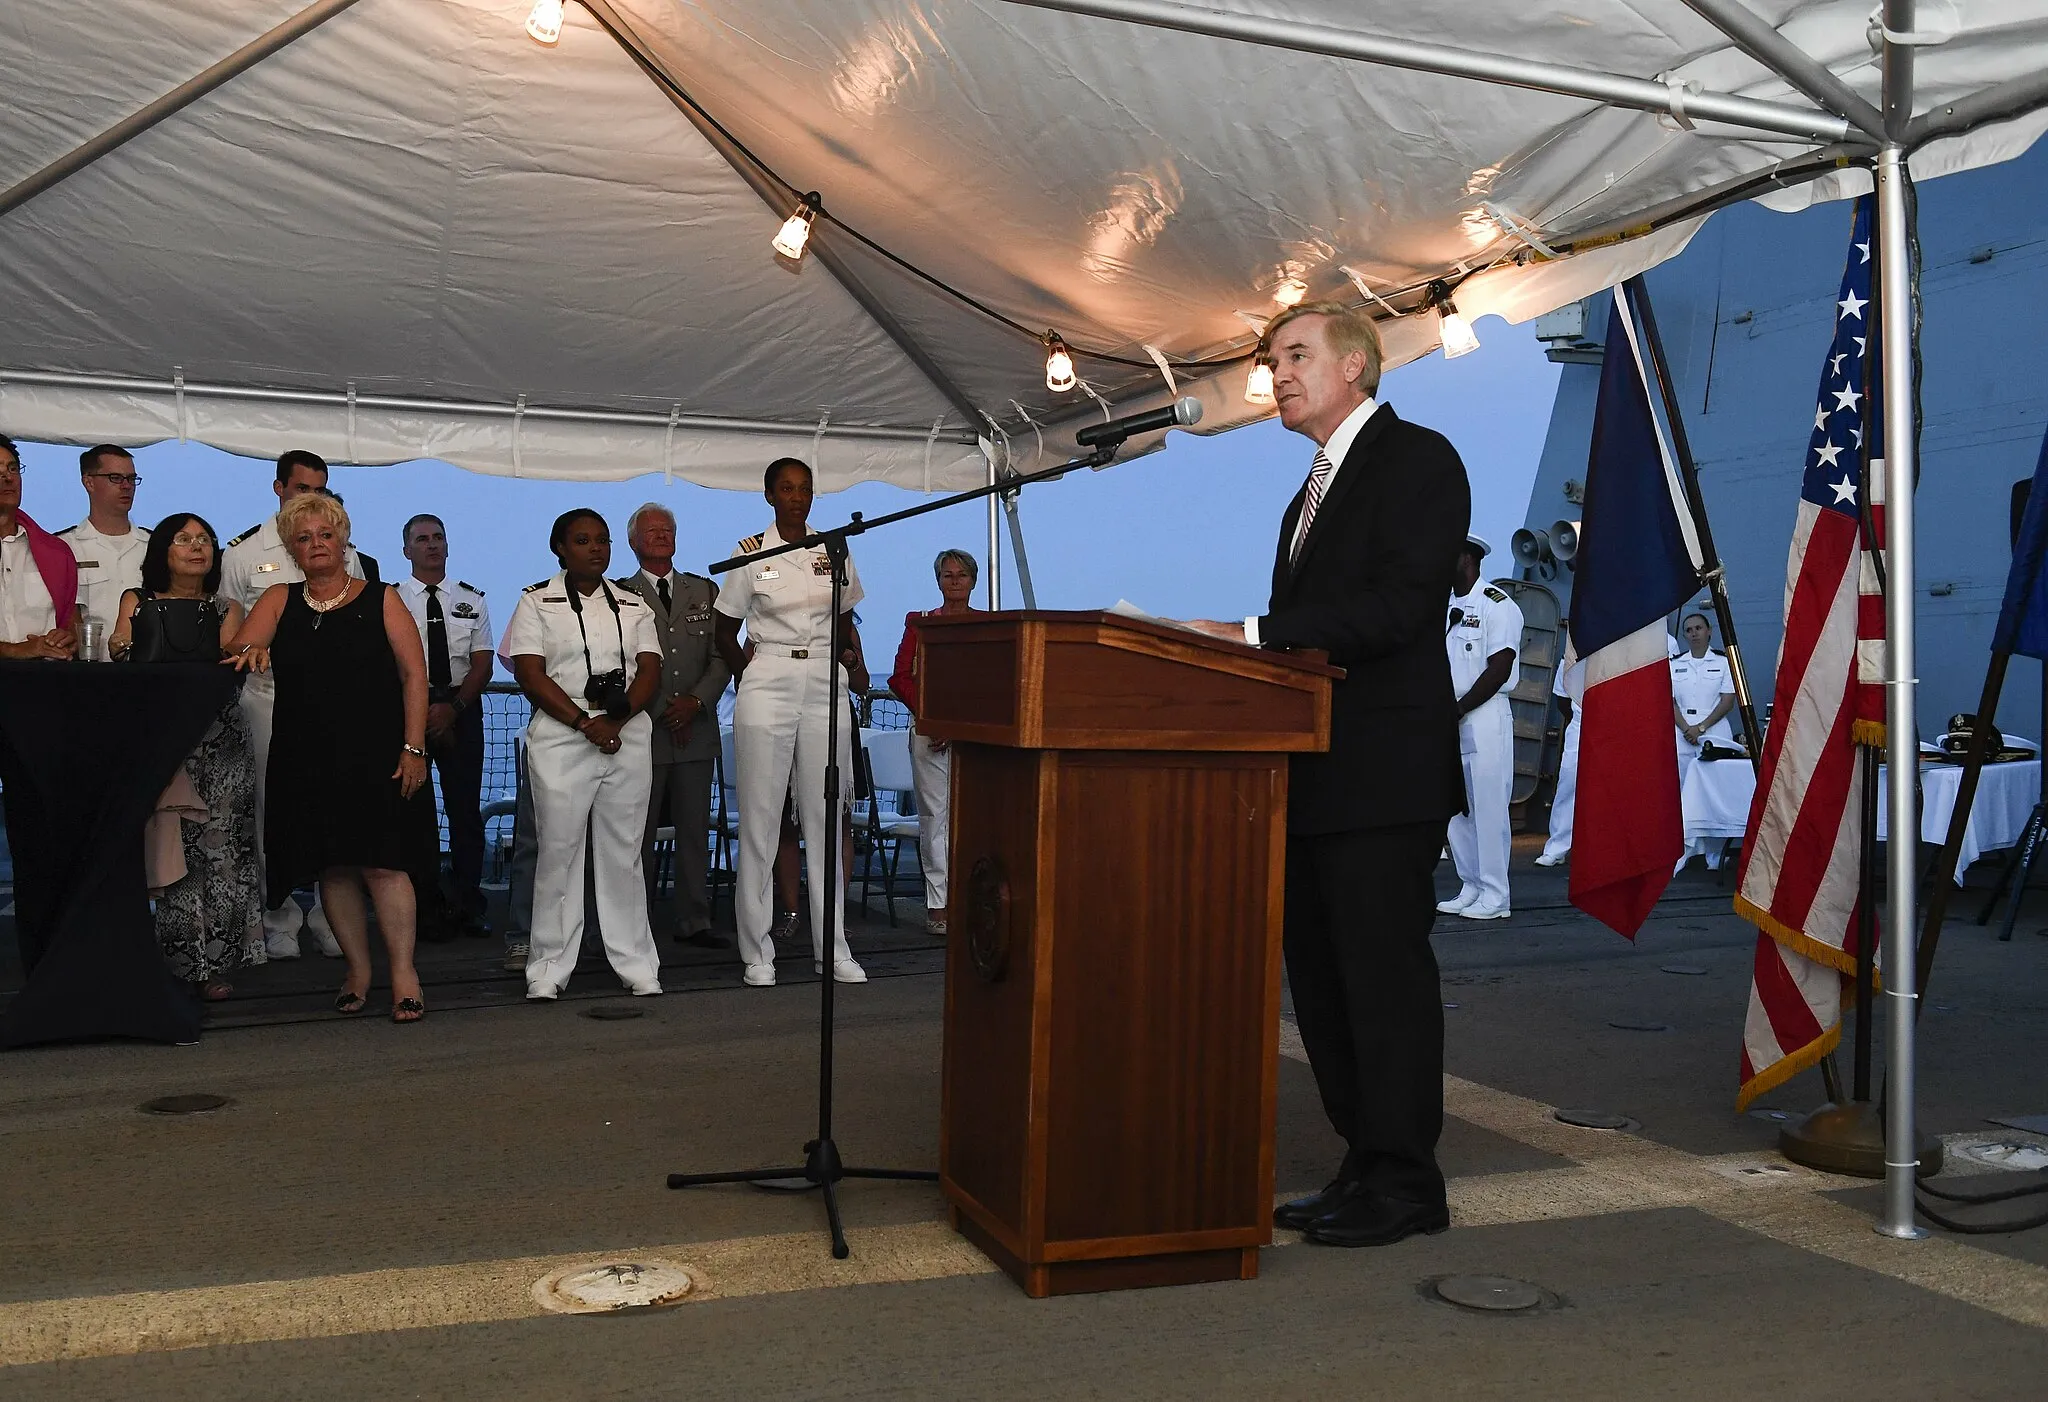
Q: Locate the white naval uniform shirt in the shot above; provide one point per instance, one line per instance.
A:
(1697, 685)
(1487, 622)
(26, 608)
(107, 564)
(257, 559)
(544, 625)
(786, 602)
(465, 618)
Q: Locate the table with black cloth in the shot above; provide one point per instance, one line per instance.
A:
(86, 748)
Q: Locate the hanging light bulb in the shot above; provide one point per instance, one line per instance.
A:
(1289, 291)
(1453, 331)
(1059, 364)
(796, 230)
(544, 22)
(1258, 385)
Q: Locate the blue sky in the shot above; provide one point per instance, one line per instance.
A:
(1186, 532)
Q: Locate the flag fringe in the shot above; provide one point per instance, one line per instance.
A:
(1798, 941)
(1868, 732)
(1788, 1066)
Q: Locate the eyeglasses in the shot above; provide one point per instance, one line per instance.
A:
(10, 470)
(119, 479)
(191, 540)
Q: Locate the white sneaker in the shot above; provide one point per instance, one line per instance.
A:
(541, 993)
(1485, 912)
(323, 933)
(281, 944)
(1456, 904)
(645, 990)
(760, 976)
(843, 971)
(1546, 860)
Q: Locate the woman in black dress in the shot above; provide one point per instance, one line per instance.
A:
(348, 768)
(210, 922)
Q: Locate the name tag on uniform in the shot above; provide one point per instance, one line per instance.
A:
(267, 567)
(769, 573)
(88, 564)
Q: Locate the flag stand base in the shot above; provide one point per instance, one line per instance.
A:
(1849, 1139)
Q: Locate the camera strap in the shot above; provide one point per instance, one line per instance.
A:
(576, 607)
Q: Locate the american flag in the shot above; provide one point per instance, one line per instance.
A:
(1799, 881)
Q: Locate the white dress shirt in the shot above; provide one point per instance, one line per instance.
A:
(465, 617)
(544, 625)
(1336, 449)
(107, 564)
(787, 601)
(26, 608)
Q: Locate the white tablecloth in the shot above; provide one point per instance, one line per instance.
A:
(1716, 797)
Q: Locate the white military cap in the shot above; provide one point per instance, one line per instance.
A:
(1479, 543)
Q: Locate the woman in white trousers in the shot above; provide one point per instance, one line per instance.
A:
(587, 657)
(930, 763)
(788, 684)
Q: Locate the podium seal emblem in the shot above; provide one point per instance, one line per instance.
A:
(987, 923)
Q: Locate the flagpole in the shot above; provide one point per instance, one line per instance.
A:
(1711, 572)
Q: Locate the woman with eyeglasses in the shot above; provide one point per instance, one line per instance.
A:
(347, 802)
(588, 658)
(210, 922)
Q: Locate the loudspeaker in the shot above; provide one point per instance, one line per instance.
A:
(1530, 548)
(1565, 539)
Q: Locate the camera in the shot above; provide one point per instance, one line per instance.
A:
(607, 691)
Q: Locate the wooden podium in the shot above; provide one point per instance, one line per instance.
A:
(1119, 825)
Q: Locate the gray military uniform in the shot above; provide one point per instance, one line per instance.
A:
(690, 665)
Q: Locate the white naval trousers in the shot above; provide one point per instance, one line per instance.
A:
(778, 743)
(578, 789)
(259, 702)
(1479, 838)
(1567, 793)
(933, 770)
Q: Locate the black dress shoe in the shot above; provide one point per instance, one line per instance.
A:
(1367, 1219)
(1297, 1214)
(706, 939)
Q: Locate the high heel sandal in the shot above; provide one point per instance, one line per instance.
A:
(349, 1004)
(408, 1010)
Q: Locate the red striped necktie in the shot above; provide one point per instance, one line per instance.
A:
(1318, 478)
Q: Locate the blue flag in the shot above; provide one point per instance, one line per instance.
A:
(2023, 620)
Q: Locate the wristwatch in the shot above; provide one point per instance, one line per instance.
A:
(414, 750)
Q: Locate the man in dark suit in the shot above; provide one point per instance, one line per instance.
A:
(685, 711)
(1367, 552)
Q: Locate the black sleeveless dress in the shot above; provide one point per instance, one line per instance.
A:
(336, 736)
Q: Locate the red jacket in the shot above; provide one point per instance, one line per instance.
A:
(57, 565)
(903, 681)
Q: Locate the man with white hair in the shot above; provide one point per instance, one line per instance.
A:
(685, 711)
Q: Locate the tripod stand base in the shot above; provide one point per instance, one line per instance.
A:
(1849, 1139)
(821, 1169)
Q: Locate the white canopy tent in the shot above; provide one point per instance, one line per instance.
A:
(390, 229)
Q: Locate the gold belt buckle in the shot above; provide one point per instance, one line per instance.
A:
(800, 652)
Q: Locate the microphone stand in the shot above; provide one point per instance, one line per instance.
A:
(822, 1167)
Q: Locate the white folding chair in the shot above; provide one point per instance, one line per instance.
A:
(889, 772)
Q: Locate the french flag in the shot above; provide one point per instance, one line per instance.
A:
(1639, 561)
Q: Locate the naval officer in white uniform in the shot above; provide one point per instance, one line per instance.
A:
(107, 545)
(786, 693)
(1484, 639)
(586, 654)
(1569, 687)
(1702, 693)
(251, 563)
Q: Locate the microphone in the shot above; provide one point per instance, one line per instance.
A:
(1180, 413)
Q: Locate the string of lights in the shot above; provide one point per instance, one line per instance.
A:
(544, 26)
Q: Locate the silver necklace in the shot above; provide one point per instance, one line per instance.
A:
(321, 606)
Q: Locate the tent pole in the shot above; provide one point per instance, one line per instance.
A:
(1894, 236)
(1614, 89)
(2010, 99)
(995, 544)
(1754, 36)
(172, 102)
(772, 194)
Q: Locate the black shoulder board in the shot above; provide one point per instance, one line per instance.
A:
(752, 543)
(1496, 595)
(465, 584)
(246, 534)
(531, 587)
(624, 581)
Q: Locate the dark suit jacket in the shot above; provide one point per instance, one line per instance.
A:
(689, 660)
(1371, 587)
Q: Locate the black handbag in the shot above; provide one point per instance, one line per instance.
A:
(174, 630)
